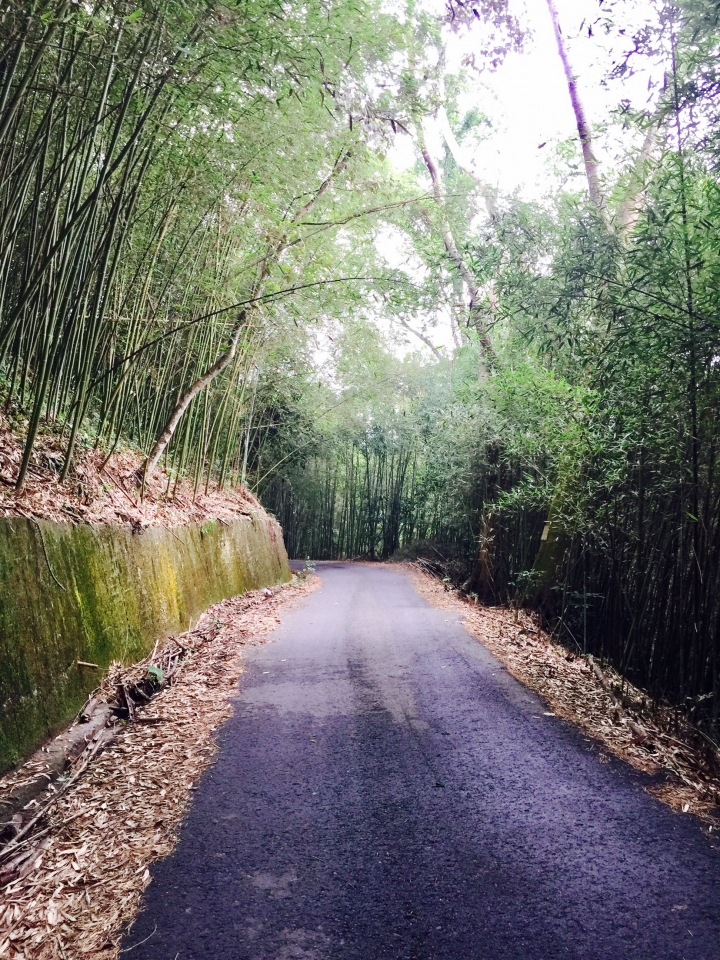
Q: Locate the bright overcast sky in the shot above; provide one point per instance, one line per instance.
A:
(527, 97)
(528, 103)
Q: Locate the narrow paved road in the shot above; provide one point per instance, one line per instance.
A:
(386, 790)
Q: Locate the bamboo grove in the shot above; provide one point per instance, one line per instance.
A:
(156, 162)
(578, 474)
(205, 254)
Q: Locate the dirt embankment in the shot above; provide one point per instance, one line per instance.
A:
(105, 490)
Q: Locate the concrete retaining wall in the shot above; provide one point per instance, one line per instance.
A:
(102, 593)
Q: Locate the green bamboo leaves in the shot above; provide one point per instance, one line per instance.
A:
(155, 164)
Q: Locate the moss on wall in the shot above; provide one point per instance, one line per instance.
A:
(103, 593)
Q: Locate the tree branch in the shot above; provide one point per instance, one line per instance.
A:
(421, 336)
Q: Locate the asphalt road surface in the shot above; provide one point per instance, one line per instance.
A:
(386, 790)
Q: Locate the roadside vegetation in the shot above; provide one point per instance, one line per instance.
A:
(208, 258)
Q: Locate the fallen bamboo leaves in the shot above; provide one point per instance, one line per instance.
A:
(653, 739)
(73, 882)
(100, 492)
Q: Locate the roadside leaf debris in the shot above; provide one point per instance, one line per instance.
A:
(653, 738)
(72, 877)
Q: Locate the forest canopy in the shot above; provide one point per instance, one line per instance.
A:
(210, 254)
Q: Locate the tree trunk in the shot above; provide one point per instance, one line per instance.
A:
(189, 395)
(555, 541)
(456, 258)
(629, 210)
(465, 164)
(549, 560)
(592, 165)
(481, 581)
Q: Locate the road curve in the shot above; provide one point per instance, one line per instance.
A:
(386, 790)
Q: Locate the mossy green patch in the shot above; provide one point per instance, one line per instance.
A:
(103, 593)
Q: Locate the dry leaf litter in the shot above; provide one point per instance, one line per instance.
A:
(654, 739)
(97, 491)
(70, 887)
